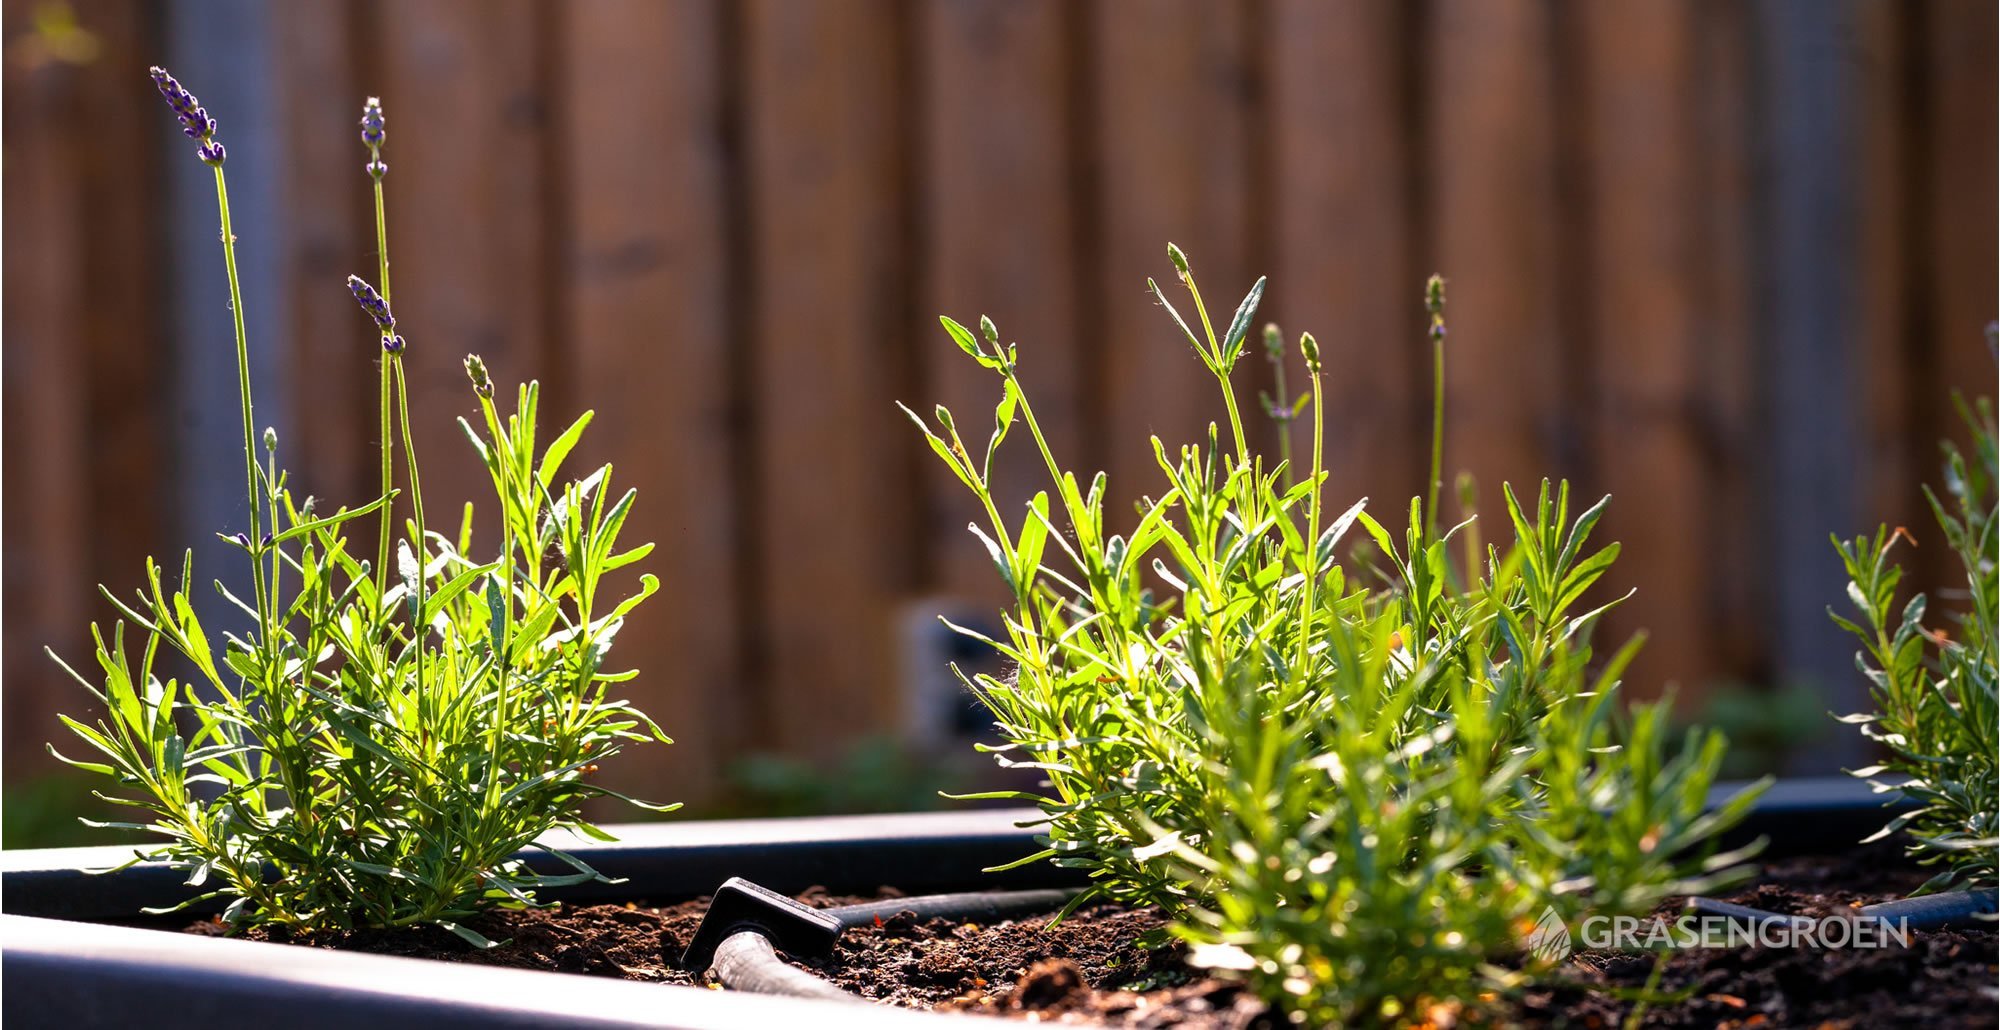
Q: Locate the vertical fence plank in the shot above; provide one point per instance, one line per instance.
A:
(1961, 70)
(125, 351)
(1808, 361)
(561, 200)
(47, 460)
(827, 336)
(649, 321)
(1638, 90)
(999, 225)
(468, 134)
(1892, 456)
(1495, 212)
(1341, 230)
(1172, 81)
(1724, 323)
(333, 451)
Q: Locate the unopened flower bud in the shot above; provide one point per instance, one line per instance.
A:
(212, 153)
(1274, 339)
(989, 330)
(392, 343)
(377, 168)
(372, 131)
(270, 438)
(1434, 295)
(475, 370)
(1310, 348)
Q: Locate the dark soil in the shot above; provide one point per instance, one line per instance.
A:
(1089, 971)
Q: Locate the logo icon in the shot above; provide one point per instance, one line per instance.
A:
(1549, 942)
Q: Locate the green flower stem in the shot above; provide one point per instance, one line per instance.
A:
(1221, 373)
(266, 611)
(1311, 563)
(387, 436)
(1437, 437)
(421, 544)
(503, 661)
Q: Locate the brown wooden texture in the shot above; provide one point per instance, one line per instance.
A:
(334, 353)
(1960, 97)
(1343, 257)
(1726, 336)
(471, 135)
(828, 331)
(1492, 176)
(647, 334)
(1895, 462)
(729, 229)
(1000, 221)
(1172, 123)
(1638, 77)
(47, 390)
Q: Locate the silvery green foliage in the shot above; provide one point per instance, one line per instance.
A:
(1356, 791)
(362, 749)
(1936, 712)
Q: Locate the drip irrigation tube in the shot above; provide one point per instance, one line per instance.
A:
(1923, 912)
(745, 925)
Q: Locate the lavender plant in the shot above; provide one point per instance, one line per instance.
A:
(375, 746)
(1937, 715)
(1357, 797)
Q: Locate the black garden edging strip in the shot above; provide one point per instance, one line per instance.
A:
(59, 972)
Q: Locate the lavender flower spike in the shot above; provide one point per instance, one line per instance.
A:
(372, 302)
(372, 132)
(195, 121)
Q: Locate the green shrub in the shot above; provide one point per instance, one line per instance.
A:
(1936, 712)
(358, 749)
(1358, 798)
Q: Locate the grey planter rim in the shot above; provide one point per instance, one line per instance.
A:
(58, 966)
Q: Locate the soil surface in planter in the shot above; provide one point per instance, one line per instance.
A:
(1088, 970)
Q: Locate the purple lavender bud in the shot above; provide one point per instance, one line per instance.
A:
(212, 152)
(392, 343)
(243, 540)
(195, 121)
(374, 305)
(372, 131)
(475, 370)
(377, 168)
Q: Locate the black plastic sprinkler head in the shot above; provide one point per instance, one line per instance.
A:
(740, 905)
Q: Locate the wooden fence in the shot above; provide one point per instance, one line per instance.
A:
(1722, 260)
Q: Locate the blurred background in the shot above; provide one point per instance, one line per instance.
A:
(1723, 260)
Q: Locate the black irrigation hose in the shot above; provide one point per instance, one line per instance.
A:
(1924, 912)
(972, 907)
(746, 960)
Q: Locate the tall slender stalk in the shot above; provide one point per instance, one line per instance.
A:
(1310, 348)
(373, 135)
(264, 602)
(420, 548)
(1434, 303)
(388, 439)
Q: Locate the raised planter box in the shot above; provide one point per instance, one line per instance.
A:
(62, 966)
